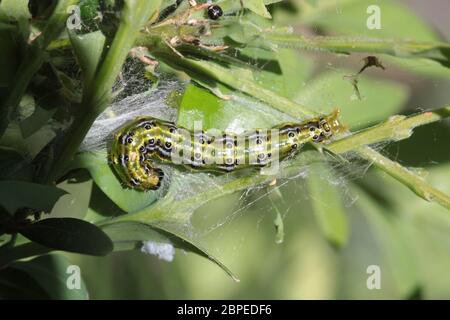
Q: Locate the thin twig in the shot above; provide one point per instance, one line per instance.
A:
(394, 129)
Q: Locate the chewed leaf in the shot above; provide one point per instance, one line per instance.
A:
(131, 231)
(19, 194)
(69, 234)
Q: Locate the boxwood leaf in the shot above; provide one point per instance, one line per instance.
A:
(69, 234)
(17, 284)
(135, 231)
(88, 49)
(327, 205)
(19, 194)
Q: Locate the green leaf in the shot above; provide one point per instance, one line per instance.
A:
(296, 70)
(29, 147)
(75, 203)
(422, 67)
(36, 121)
(69, 234)
(380, 98)
(135, 231)
(284, 71)
(167, 3)
(8, 61)
(426, 228)
(52, 273)
(398, 21)
(239, 113)
(101, 207)
(128, 235)
(17, 284)
(350, 18)
(198, 104)
(88, 49)
(18, 194)
(394, 249)
(327, 204)
(13, 165)
(258, 7)
(128, 200)
(17, 9)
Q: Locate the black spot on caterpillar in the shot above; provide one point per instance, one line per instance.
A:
(141, 142)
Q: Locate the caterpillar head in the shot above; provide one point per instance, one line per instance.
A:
(332, 124)
(326, 126)
(150, 181)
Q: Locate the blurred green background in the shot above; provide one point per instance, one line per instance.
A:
(408, 238)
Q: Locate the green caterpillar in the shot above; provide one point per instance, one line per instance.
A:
(145, 140)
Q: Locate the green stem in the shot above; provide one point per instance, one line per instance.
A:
(414, 182)
(33, 60)
(397, 128)
(438, 51)
(394, 129)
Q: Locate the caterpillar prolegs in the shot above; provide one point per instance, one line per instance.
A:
(144, 141)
